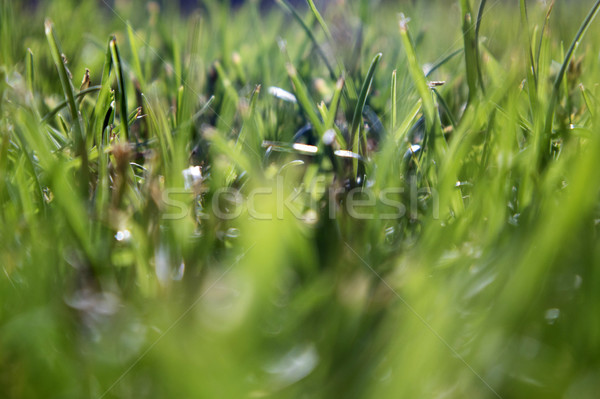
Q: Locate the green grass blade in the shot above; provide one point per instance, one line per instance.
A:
(7, 31)
(4, 145)
(227, 85)
(30, 71)
(400, 134)
(137, 66)
(69, 92)
(358, 140)
(559, 78)
(64, 103)
(102, 102)
(194, 118)
(525, 22)
(320, 19)
(304, 101)
(323, 111)
(177, 63)
(477, 52)
(335, 103)
(445, 107)
(349, 89)
(542, 33)
(394, 100)
(249, 118)
(116, 58)
(362, 100)
(160, 126)
(589, 101)
(419, 80)
(286, 5)
(470, 46)
(443, 62)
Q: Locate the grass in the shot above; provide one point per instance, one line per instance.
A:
(416, 217)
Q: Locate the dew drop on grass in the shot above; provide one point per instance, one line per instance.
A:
(123, 235)
(294, 365)
(310, 217)
(232, 233)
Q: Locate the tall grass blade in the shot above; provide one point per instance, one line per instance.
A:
(65, 80)
(360, 105)
(286, 5)
(116, 59)
(102, 102)
(531, 74)
(30, 71)
(429, 109)
(470, 46)
(358, 140)
(304, 101)
(477, 52)
(335, 103)
(394, 100)
(69, 92)
(64, 103)
(320, 19)
(137, 66)
(542, 33)
(443, 61)
(559, 78)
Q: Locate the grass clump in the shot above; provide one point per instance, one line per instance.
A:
(299, 201)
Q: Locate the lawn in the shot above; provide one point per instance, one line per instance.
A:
(353, 199)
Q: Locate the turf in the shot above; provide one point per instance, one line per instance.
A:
(367, 199)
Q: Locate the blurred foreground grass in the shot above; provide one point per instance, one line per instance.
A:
(255, 203)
